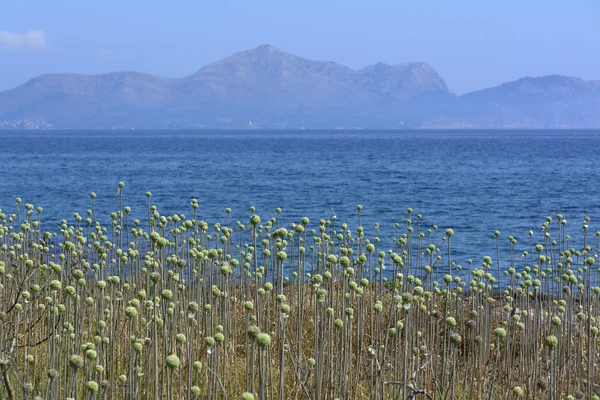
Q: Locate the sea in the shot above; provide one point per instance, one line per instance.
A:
(473, 181)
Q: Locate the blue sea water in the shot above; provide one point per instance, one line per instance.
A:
(475, 182)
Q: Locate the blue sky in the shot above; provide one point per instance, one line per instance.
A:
(472, 44)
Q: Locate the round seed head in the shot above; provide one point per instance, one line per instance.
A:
(131, 312)
(500, 332)
(92, 386)
(552, 342)
(91, 354)
(263, 340)
(76, 361)
(253, 331)
(455, 339)
(173, 361)
(517, 391)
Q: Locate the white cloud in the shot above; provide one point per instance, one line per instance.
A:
(32, 40)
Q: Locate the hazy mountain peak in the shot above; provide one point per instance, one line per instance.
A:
(403, 81)
(266, 62)
(267, 48)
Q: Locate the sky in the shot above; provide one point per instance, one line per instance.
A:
(473, 44)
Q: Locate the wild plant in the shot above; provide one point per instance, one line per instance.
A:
(170, 306)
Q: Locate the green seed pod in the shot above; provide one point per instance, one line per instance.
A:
(76, 361)
(253, 331)
(455, 339)
(192, 307)
(517, 391)
(209, 341)
(552, 342)
(263, 340)
(91, 354)
(500, 332)
(281, 255)
(378, 306)
(131, 312)
(92, 386)
(173, 361)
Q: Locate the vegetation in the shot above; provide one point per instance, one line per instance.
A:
(169, 307)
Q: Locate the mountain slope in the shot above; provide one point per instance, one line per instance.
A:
(548, 102)
(68, 100)
(272, 88)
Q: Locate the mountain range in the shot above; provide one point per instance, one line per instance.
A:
(268, 88)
